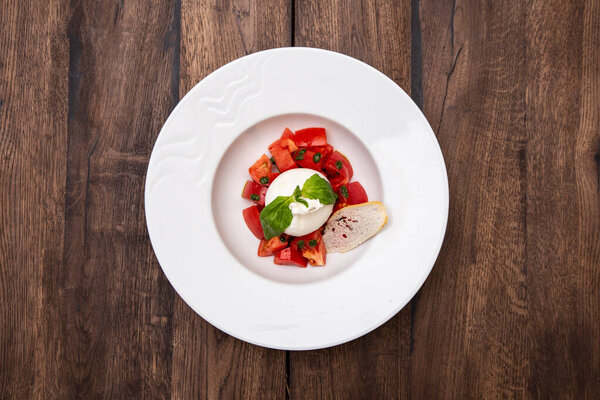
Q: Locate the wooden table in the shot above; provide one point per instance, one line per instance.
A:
(512, 307)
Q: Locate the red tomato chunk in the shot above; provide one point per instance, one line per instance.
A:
(356, 193)
(337, 182)
(287, 140)
(290, 256)
(252, 218)
(337, 163)
(310, 137)
(255, 192)
(324, 150)
(312, 247)
(270, 247)
(260, 171)
(282, 156)
(273, 176)
(307, 158)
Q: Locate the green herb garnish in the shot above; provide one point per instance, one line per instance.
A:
(300, 154)
(317, 157)
(264, 180)
(255, 197)
(300, 244)
(344, 191)
(312, 243)
(338, 164)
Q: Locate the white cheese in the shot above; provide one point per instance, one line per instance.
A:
(304, 220)
(301, 209)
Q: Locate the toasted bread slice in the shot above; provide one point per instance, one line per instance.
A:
(351, 226)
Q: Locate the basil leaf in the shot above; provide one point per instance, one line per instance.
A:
(318, 188)
(276, 216)
(297, 194)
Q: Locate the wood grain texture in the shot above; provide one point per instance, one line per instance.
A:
(563, 199)
(512, 307)
(208, 363)
(33, 120)
(375, 366)
(115, 303)
(470, 337)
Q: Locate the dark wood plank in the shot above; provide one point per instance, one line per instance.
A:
(208, 363)
(115, 303)
(511, 309)
(470, 331)
(563, 198)
(376, 366)
(33, 138)
(376, 32)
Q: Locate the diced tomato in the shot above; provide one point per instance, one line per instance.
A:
(312, 247)
(255, 192)
(324, 150)
(261, 170)
(348, 194)
(270, 247)
(287, 134)
(342, 200)
(356, 193)
(337, 163)
(337, 182)
(290, 256)
(317, 256)
(288, 143)
(310, 137)
(287, 140)
(273, 175)
(294, 243)
(274, 166)
(282, 156)
(305, 158)
(252, 218)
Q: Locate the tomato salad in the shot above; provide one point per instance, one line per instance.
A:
(308, 149)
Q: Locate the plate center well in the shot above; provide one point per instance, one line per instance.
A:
(232, 173)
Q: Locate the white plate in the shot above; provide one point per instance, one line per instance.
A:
(200, 163)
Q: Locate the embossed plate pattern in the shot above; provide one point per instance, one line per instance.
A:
(286, 307)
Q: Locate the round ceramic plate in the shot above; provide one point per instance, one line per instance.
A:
(199, 166)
